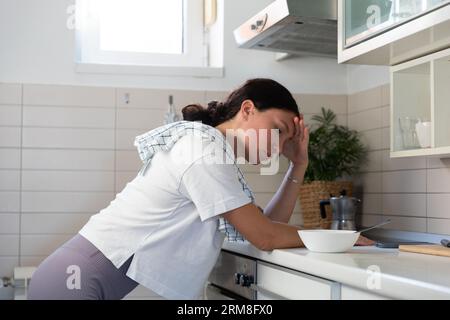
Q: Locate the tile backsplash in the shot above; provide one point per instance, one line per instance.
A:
(413, 192)
(65, 151)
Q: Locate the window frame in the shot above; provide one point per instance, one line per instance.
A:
(89, 52)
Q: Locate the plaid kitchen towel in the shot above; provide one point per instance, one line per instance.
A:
(164, 137)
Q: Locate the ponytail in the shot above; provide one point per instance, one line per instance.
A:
(210, 115)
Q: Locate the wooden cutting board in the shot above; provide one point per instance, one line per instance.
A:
(433, 249)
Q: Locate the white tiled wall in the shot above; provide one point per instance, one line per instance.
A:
(413, 192)
(10, 155)
(57, 166)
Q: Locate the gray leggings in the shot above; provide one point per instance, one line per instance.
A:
(79, 271)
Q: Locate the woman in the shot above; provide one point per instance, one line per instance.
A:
(165, 229)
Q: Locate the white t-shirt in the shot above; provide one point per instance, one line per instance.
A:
(168, 218)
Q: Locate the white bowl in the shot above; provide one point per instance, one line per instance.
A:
(328, 240)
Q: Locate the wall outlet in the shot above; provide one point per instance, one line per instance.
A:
(126, 98)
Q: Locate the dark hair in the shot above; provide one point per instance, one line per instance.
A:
(265, 94)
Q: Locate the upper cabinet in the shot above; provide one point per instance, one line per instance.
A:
(389, 32)
(420, 106)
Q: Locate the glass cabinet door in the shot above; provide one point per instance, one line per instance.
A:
(411, 89)
(366, 18)
(441, 70)
(420, 106)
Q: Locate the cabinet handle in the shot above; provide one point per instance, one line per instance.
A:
(260, 289)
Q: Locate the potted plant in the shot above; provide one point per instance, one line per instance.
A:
(335, 152)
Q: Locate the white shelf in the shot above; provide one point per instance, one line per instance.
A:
(420, 88)
(443, 152)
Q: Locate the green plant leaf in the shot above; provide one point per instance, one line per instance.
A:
(334, 150)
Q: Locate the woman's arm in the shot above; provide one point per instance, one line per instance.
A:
(266, 234)
(262, 232)
(282, 204)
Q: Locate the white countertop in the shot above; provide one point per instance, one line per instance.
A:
(403, 275)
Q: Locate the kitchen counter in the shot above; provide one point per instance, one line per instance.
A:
(402, 275)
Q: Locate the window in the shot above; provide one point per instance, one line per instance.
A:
(142, 32)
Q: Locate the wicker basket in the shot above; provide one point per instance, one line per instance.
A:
(310, 196)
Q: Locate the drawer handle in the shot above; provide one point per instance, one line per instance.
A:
(260, 289)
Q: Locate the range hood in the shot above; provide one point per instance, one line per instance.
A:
(300, 27)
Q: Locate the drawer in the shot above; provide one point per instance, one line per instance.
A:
(350, 293)
(274, 282)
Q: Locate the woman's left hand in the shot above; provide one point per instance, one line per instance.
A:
(363, 241)
(296, 148)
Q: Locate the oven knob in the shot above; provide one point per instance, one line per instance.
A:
(237, 278)
(243, 280)
(246, 280)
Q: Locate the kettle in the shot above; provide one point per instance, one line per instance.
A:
(343, 211)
